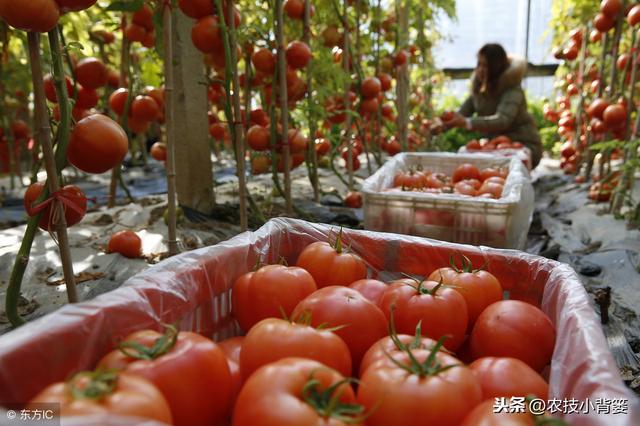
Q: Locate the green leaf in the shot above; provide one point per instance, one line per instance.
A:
(126, 5)
(74, 45)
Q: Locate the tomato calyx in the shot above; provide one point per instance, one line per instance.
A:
(430, 367)
(161, 346)
(466, 265)
(327, 402)
(93, 384)
(305, 318)
(420, 288)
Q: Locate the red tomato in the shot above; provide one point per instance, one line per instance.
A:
(196, 8)
(232, 348)
(331, 265)
(353, 200)
(465, 171)
(258, 138)
(473, 145)
(113, 393)
(384, 350)
(465, 189)
(127, 243)
(50, 88)
(144, 17)
(363, 323)
(191, 371)
(371, 289)
(443, 311)
(159, 151)
(268, 293)
(273, 339)
(74, 5)
(92, 73)
(492, 188)
(483, 415)
(479, 288)
(206, 35)
(427, 395)
(30, 15)
(118, 100)
(87, 98)
(370, 88)
(508, 377)
(145, 108)
(97, 144)
(70, 192)
(511, 328)
(385, 82)
(279, 394)
(298, 54)
(264, 61)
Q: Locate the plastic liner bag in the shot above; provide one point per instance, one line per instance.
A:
(501, 223)
(194, 288)
(524, 154)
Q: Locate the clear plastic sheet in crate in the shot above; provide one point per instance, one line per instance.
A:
(194, 288)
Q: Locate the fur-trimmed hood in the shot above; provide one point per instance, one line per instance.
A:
(514, 74)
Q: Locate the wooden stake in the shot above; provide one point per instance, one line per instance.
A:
(312, 154)
(284, 105)
(346, 56)
(172, 240)
(44, 133)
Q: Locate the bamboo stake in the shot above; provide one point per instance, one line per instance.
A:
(57, 209)
(631, 150)
(284, 108)
(346, 56)
(378, 133)
(580, 79)
(312, 155)
(403, 77)
(239, 135)
(232, 103)
(601, 72)
(172, 239)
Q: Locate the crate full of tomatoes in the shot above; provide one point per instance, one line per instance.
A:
(301, 323)
(471, 199)
(501, 146)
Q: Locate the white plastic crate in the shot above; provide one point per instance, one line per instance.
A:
(502, 223)
(524, 154)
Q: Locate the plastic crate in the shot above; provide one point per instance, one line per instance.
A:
(195, 288)
(502, 223)
(524, 154)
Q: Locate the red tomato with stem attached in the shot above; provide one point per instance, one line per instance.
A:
(296, 392)
(441, 310)
(105, 392)
(511, 328)
(332, 264)
(269, 292)
(190, 370)
(360, 323)
(273, 339)
(430, 390)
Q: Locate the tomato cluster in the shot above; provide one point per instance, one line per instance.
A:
(466, 179)
(434, 350)
(39, 15)
(497, 143)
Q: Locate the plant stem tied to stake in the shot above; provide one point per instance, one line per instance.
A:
(284, 108)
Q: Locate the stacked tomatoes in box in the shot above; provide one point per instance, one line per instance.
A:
(465, 180)
(425, 350)
(500, 145)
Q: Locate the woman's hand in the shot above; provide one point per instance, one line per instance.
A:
(455, 120)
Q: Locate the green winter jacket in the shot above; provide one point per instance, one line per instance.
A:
(505, 112)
